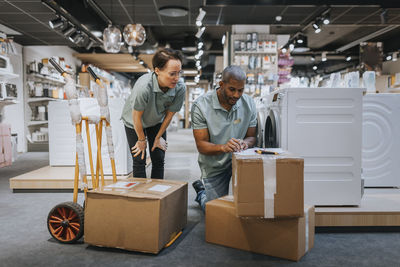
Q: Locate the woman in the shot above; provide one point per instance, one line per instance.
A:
(149, 109)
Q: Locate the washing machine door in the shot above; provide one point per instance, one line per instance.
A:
(260, 129)
(272, 130)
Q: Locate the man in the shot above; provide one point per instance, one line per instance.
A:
(223, 121)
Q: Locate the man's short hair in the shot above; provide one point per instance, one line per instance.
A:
(233, 72)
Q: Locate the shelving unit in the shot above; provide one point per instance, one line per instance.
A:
(36, 124)
(258, 58)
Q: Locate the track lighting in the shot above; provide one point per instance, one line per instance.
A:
(201, 15)
(223, 39)
(348, 58)
(323, 56)
(76, 37)
(315, 67)
(200, 32)
(68, 31)
(200, 45)
(312, 58)
(326, 19)
(56, 23)
(89, 44)
(278, 18)
(394, 56)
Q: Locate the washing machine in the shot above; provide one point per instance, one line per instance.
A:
(262, 104)
(381, 140)
(322, 125)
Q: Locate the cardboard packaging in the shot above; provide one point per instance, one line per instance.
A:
(269, 186)
(288, 238)
(136, 214)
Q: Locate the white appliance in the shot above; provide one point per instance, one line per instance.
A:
(381, 140)
(262, 108)
(62, 136)
(323, 125)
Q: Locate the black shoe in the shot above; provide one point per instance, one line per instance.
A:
(198, 186)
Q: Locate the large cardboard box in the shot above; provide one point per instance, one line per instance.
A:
(136, 214)
(288, 238)
(269, 186)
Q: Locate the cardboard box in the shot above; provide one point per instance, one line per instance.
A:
(288, 238)
(136, 214)
(269, 186)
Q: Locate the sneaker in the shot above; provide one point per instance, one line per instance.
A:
(198, 186)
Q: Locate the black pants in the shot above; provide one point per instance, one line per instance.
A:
(157, 156)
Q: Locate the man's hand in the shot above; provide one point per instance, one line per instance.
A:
(243, 145)
(160, 143)
(233, 145)
(140, 147)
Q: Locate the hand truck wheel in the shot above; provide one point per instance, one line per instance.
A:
(65, 222)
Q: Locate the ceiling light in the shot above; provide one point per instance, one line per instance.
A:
(201, 15)
(200, 45)
(291, 47)
(56, 23)
(199, 67)
(394, 57)
(68, 31)
(141, 62)
(198, 63)
(348, 58)
(201, 52)
(318, 30)
(97, 33)
(148, 70)
(173, 11)
(314, 67)
(200, 32)
(76, 37)
(112, 39)
(300, 41)
(198, 23)
(315, 25)
(134, 34)
(278, 18)
(284, 50)
(223, 39)
(389, 57)
(312, 58)
(326, 20)
(89, 45)
(323, 56)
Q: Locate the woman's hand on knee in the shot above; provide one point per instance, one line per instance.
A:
(160, 143)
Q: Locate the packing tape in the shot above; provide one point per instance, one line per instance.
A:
(307, 229)
(269, 170)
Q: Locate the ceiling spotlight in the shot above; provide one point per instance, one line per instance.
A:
(201, 15)
(300, 41)
(395, 55)
(199, 67)
(326, 19)
(141, 62)
(200, 32)
(278, 18)
(200, 45)
(318, 30)
(173, 11)
(291, 47)
(90, 44)
(315, 25)
(389, 57)
(312, 58)
(201, 52)
(198, 63)
(198, 23)
(76, 37)
(223, 39)
(197, 56)
(348, 58)
(284, 50)
(97, 33)
(314, 67)
(148, 70)
(68, 31)
(323, 56)
(56, 23)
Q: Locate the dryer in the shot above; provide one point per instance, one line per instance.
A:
(323, 125)
(381, 140)
(262, 111)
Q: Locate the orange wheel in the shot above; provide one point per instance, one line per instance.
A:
(65, 222)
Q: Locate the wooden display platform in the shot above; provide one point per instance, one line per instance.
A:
(379, 207)
(51, 178)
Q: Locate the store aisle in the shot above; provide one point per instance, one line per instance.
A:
(25, 241)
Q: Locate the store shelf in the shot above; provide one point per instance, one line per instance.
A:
(32, 123)
(46, 78)
(5, 75)
(7, 102)
(254, 52)
(41, 99)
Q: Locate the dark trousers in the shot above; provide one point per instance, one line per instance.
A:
(157, 156)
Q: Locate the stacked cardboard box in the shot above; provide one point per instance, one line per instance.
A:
(266, 214)
(136, 214)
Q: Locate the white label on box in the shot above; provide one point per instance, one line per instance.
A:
(124, 185)
(160, 188)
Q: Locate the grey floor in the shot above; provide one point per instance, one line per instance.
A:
(25, 241)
